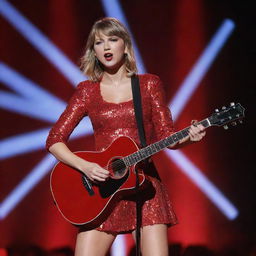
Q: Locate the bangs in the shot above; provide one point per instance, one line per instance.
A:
(110, 29)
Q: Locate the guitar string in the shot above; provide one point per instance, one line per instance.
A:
(120, 163)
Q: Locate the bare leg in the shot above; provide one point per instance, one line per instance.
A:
(93, 242)
(154, 240)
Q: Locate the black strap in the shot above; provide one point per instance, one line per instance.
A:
(138, 109)
(139, 119)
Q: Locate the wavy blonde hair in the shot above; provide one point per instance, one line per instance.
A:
(90, 66)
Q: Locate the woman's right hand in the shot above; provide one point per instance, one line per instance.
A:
(94, 172)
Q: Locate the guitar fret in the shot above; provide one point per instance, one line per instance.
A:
(175, 138)
(184, 133)
(126, 161)
(179, 135)
(158, 146)
(154, 148)
(140, 155)
(205, 123)
(170, 140)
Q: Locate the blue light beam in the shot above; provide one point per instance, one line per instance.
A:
(113, 9)
(34, 109)
(25, 87)
(178, 103)
(41, 43)
(46, 55)
(31, 99)
(192, 80)
(31, 180)
(32, 141)
(195, 175)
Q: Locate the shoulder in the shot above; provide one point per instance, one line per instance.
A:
(150, 83)
(86, 87)
(83, 91)
(149, 78)
(86, 84)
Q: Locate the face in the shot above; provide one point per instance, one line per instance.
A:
(109, 50)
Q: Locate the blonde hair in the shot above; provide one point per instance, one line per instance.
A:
(90, 66)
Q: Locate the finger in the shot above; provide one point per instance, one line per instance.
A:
(194, 122)
(201, 127)
(194, 130)
(103, 176)
(102, 170)
(194, 135)
(94, 177)
(198, 129)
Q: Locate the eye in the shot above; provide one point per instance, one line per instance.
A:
(113, 39)
(97, 42)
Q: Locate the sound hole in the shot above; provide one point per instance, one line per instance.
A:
(117, 168)
(110, 186)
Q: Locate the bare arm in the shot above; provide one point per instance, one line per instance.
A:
(92, 170)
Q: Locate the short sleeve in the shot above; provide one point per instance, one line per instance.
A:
(161, 114)
(69, 119)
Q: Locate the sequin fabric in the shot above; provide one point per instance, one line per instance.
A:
(111, 120)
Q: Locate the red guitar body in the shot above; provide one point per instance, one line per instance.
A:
(80, 207)
(71, 196)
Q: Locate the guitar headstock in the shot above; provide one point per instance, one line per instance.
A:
(227, 115)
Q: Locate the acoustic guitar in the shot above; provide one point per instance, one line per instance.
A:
(82, 202)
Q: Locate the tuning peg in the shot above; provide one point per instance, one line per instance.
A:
(234, 123)
(225, 127)
(223, 108)
(240, 121)
(216, 110)
(232, 104)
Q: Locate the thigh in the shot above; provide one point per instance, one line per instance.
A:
(93, 242)
(154, 240)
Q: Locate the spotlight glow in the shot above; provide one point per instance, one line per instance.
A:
(206, 186)
(31, 141)
(113, 8)
(41, 43)
(193, 79)
(69, 70)
(26, 185)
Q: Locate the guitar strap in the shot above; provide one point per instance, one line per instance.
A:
(138, 109)
(139, 119)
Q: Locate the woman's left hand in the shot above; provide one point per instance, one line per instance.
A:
(196, 131)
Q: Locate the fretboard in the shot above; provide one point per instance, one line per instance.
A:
(160, 145)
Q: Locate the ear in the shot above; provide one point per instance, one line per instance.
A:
(125, 50)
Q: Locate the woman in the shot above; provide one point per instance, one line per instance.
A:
(107, 99)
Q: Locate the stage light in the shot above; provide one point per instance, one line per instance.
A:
(31, 141)
(41, 43)
(202, 65)
(27, 88)
(204, 184)
(26, 185)
(29, 30)
(113, 8)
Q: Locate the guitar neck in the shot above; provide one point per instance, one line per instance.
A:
(160, 145)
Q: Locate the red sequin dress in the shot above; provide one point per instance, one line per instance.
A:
(111, 120)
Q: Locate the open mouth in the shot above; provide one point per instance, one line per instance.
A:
(108, 56)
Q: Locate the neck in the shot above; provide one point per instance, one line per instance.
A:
(115, 76)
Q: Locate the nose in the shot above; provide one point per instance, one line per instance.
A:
(106, 46)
